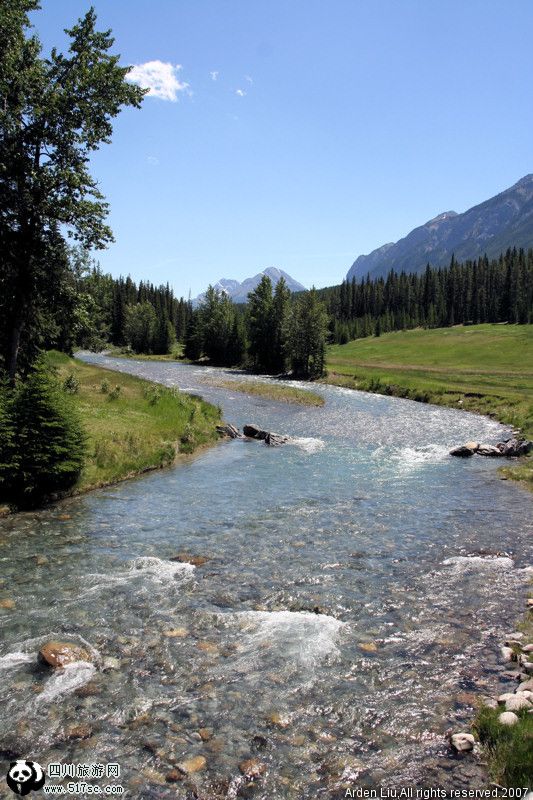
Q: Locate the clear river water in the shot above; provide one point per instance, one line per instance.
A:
(416, 562)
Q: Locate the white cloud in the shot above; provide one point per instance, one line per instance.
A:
(247, 78)
(240, 92)
(214, 75)
(153, 160)
(161, 78)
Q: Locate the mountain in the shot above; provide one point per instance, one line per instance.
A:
(505, 220)
(239, 291)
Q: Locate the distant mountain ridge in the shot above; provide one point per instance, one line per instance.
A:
(239, 291)
(503, 221)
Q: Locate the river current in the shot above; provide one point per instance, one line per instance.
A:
(416, 563)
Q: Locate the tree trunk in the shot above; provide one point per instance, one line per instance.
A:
(13, 352)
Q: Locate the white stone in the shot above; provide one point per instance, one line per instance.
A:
(517, 702)
(507, 654)
(508, 718)
(503, 698)
(463, 742)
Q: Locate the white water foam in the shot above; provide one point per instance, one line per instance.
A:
(66, 680)
(460, 563)
(15, 659)
(308, 444)
(299, 636)
(149, 568)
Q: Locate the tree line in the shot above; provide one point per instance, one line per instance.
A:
(273, 333)
(55, 112)
(473, 292)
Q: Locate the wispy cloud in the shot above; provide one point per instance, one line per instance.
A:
(153, 160)
(240, 92)
(214, 75)
(160, 78)
(247, 78)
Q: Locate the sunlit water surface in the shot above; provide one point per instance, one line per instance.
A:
(416, 562)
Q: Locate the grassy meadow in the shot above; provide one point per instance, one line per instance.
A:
(483, 368)
(271, 391)
(132, 425)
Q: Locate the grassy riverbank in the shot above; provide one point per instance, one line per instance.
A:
(272, 391)
(133, 425)
(483, 368)
(509, 749)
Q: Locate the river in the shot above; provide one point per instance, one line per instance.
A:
(416, 562)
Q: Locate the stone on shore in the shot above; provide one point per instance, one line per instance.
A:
(508, 718)
(229, 430)
(517, 703)
(508, 654)
(463, 742)
(59, 654)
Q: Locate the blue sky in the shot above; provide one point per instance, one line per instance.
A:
(302, 133)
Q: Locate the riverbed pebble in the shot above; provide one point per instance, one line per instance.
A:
(526, 686)
(191, 765)
(462, 742)
(252, 768)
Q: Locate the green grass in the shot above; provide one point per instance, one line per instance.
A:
(176, 354)
(281, 394)
(483, 368)
(509, 749)
(133, 425)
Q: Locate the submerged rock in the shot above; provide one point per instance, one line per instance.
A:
(252, 768)
(462, 742)
(188, 558)
(191, 765)
(59, 654)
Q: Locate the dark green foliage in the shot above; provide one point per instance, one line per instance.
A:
(71, 384)
(49, 443)
(307, 336)
(56, 112)
(478, 291)
(9, 455)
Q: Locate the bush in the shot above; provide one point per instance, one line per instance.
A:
(9, 458)
(104, 387)
(49, 441)
(71, 384)
(115, 392)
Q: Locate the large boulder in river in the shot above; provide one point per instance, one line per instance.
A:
(463, 451)
(488, 450)
(275, 439)
(59, 654)
(515, 447)
(254, 432)
(270, 438)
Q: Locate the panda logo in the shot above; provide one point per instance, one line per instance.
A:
(25, 776)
